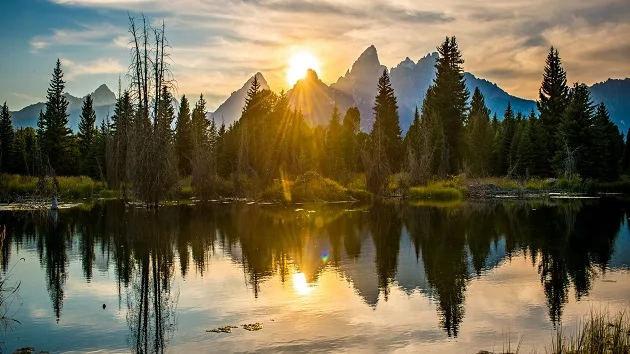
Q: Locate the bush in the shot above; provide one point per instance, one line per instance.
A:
(570, 184)
(311, 186)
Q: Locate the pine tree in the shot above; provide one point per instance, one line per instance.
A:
(508, 130)
(121, 131)
(412, 138)
(87, 134)
(6, 140)
(55, 140)
(183, 137)
(199, 123)
(609, 145)
(576, 136)
(334, 157)
(386, 132)
(553, 100)
(449, 103)
(351, 126)
(479, 145)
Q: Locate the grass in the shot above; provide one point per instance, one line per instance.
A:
(600, 332)
(72, 188)
(435, 192)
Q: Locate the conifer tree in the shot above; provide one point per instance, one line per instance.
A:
(386, 132)
(507, 137)
(121, 131)
(86, 135)
(552, 101)
(26, 152)
(351, 125)
(6, 139)
(576, 136)
(609, 145)
(479, 144)
(55, 140)
(199, 123)
(412, 138)
(334, 157)
(449, 103)
(183, 137)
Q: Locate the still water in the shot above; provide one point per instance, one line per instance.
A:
(392, 277)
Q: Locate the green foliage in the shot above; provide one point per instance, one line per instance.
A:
(445, 108)
(183, 138)
(386, 133)
(70, 188)
(6, 139)
(54, 134)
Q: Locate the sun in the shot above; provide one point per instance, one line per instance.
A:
(299, 64)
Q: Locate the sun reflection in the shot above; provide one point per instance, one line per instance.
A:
(299, 64)
(300, 285)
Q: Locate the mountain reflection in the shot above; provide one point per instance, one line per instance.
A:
(568, 242)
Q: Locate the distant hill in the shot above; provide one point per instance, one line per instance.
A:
(104, 102)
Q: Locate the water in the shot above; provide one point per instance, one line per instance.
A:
(319, 278)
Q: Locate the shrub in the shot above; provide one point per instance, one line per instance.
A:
(311, 186)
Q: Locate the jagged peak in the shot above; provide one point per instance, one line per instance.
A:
(370, 55)
(311, 75)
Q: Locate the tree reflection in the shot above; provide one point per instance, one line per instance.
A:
(569, 243)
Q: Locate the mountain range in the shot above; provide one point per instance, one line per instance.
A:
(357, 87)
(104, 102)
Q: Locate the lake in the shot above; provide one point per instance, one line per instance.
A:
(344, 278)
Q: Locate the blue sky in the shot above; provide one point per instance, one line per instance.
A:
(218, 44)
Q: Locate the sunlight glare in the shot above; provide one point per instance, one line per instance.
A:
(300, 285)
(299, 64)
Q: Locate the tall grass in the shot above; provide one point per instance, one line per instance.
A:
(16, 186)
(599, 333)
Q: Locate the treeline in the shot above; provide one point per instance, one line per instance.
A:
(144, 148)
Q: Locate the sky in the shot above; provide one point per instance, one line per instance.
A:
(216, 45)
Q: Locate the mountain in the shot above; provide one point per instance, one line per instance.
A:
(360, 84)
(316, 99)
(615, 93)
(230, 110)
(104, 102)
(496, 98)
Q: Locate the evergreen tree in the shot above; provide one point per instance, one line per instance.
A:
(183, 137)
(121, 131)
(625, 162)
(333, 146)
(351, 126)
(609, 145)
(412, 138)
(55, 139)
(553, 100)
(479, 144)
(386, 132)
(6, 139)
(508, 130)
(449, 103)
(576, 136)
(199, 123)
(26, 153)
(86, 135)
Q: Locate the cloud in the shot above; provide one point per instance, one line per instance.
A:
(96, 67)
(84, 35)
(218, 44)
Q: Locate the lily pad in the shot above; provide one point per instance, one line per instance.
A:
(226, 329)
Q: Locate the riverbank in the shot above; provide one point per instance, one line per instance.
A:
(313, 187)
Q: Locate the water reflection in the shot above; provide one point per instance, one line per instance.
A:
(568, 242)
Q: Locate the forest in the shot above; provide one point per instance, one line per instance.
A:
(148, 151)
